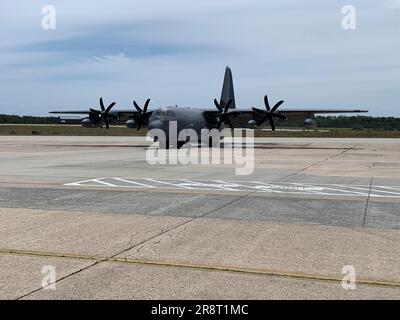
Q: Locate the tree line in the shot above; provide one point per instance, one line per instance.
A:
(14, 119)
(352, 122)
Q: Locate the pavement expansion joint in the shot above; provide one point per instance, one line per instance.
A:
(205, 267)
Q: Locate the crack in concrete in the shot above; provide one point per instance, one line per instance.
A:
(316, 163)
(142, 243)
(367, 203)
(163, 232)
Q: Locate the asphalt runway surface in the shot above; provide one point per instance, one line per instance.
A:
(113, 226)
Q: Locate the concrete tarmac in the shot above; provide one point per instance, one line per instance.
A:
(114, 226)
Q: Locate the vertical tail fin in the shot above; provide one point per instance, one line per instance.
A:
(227, 89)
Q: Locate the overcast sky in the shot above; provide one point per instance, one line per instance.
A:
(175, 52)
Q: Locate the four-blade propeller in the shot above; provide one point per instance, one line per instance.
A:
(270, 114)
(142, 117)
(103, 114)
(224, 115)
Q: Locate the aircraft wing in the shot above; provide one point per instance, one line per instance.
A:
(213, 116)
(134, 118)
(118, 113)
(319, 111)
(70, 112)
(289, 112)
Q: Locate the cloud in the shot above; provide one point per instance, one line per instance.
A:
(175, 52)
(135, 39)
(111, 58)
(393, 4)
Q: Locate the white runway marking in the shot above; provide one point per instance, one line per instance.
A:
(258, 186)
(133, 182)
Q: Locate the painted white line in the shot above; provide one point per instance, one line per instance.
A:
(382, 191)
(81, 183)
(390, 187)
(351, 187)
(169, 184)
(374, 189)
(237, 183)
(91, 185)
(105, 183)
(387, 187)
(298, 186)
(137, 184)
(244, 186)
(210, 186)
(266, 187)
(334, 189)
(226, 185)
(313, 189)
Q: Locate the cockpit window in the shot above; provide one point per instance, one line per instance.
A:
(163, 115)
(171, 115)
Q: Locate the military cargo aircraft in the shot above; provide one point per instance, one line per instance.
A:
(197, 119)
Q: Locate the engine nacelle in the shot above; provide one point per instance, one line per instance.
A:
(310, 123)
(252, 124)
(87, 123)
(131, 124)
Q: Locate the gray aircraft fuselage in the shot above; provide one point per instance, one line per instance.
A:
(185, 118)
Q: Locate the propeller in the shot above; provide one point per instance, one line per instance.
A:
(142, 116)
(103, 114)
(270, 114)
(224, 115)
